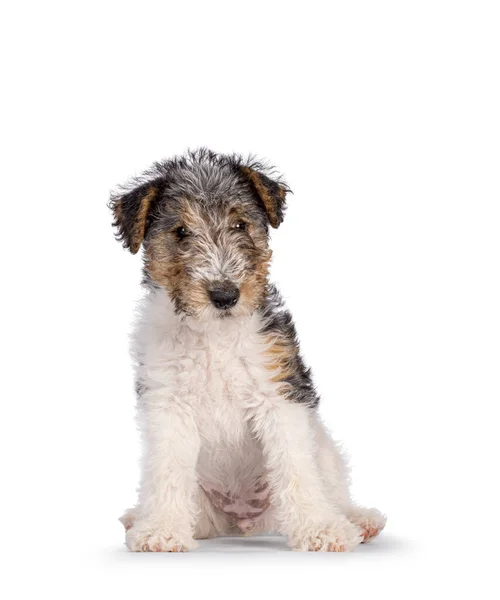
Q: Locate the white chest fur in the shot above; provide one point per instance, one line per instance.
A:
(218, 370)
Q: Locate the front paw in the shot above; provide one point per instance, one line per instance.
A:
(141, 538)
(341, 536)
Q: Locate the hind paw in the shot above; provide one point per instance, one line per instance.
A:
(369, 520)
(128, 518)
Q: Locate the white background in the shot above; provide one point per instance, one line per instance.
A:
(384, 117)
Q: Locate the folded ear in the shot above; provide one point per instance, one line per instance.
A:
(131, 210)
(272, 194)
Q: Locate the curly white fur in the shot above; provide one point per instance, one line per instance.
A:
(212, 419)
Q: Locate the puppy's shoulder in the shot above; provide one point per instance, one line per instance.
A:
(283, 351)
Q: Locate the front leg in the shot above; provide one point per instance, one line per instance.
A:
(303, 512)
(167, 508)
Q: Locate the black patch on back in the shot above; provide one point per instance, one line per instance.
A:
(278, 319)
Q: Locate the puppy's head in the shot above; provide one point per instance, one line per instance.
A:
(203, 221)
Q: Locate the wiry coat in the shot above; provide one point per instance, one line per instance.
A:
(227, 408)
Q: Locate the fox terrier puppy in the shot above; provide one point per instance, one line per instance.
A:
(228, 412)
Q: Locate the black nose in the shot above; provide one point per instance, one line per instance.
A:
(224, 296)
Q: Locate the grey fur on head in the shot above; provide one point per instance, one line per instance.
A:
(202, 176)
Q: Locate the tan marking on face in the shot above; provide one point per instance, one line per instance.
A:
(179, 266)
(253, 288)
(167, 266)
(190, 215)
(161, 267)
(167, 260)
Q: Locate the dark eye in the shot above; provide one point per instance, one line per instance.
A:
(241, 226)
(181, 233)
